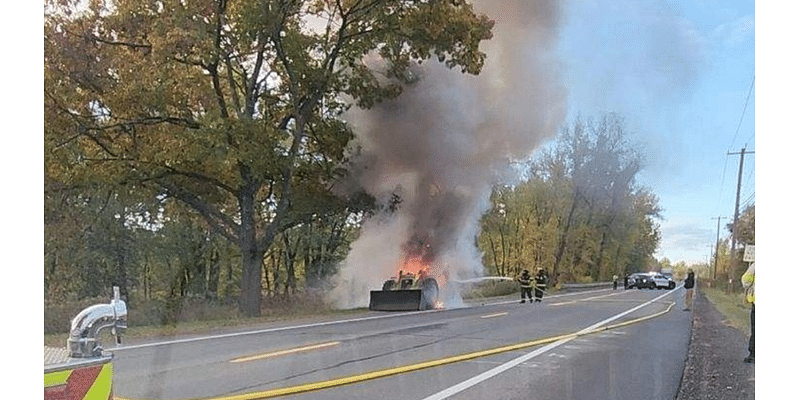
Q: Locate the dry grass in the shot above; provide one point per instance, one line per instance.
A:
(156, 319)
(152, 320)
(731, 305)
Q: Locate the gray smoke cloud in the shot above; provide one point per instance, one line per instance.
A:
(441, 146)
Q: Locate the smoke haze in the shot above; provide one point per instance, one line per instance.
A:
(444, 142)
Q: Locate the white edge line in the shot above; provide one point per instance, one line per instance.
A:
(312, 325)
(519, 360)
(494, 315)
(284, 328)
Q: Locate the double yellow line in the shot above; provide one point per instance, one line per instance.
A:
(428, 364)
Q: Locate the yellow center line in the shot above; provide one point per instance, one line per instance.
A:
(586, 299)
(424, 365)
(284, 352)
(494, 315)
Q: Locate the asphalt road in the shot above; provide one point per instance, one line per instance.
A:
(642, 358)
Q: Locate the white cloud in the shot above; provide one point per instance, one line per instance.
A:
(736, 32)
(687, 242)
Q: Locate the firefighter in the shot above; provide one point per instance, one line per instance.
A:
(525, 286)
(541, 284)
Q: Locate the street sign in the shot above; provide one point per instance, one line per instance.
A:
(749, 253)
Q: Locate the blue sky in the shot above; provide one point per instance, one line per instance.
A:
(680, 72)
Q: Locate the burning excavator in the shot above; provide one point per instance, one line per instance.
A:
(409, 291)
(406, 292)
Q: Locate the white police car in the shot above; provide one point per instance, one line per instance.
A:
(659, 281)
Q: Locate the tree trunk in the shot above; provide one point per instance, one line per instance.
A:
(268, 259)
(289, 259)
(494, 257)
(250, 297)
(212, 284)
(599, 264)
(562, 243)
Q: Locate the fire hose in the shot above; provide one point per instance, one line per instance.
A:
(434, 363)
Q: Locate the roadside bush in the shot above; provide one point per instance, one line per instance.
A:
(489, 289)
(161, 312)
(58, 314)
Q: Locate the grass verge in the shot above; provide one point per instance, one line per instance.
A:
(196, 327)
(732, 306)
(198, 317)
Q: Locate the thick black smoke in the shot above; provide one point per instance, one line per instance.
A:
(445, 141)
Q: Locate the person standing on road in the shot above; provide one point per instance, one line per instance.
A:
(525, 286)
(749, 283)
(688, 284)
(615, 281)
(541, 284)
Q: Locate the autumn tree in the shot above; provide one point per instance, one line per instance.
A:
(232, 107)
(579, 213)
(745, 234)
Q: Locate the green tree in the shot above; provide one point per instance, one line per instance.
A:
(745, 234)
(232, 107)
(580, 214)
(596, 160)
(88, 245)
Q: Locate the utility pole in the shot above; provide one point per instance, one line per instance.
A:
(716, 247)
(736, 213)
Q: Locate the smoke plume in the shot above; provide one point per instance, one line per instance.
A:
(441, 146)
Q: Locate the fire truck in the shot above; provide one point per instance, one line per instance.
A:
(82, 370)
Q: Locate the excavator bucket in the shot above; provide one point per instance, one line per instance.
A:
(396, 300)
(419, 296)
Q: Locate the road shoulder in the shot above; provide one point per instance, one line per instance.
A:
(714, 364)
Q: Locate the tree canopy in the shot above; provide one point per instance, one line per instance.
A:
(580, 214)
(233, 107)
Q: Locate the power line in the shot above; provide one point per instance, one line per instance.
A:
(736, 134)
(746, 102)
(716, 246)
(736, 211)
(749, 183)
(753, 136)
(722, 182)
(749, 201)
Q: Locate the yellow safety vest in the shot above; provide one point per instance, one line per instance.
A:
(749, 283)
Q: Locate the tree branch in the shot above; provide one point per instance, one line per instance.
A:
(130, 45)
(218, 221)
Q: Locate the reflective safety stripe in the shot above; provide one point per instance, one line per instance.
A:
(749, 283)
(56, 378)
(101, 388)
(91, 383)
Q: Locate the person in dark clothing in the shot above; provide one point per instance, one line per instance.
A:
(525, 286)
(688, 284)
(625, 283)
(541, 284)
